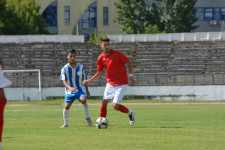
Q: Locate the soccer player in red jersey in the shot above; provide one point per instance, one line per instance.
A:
(116, 76)
(4, 82)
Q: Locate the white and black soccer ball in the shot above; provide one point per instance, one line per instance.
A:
(101, 123)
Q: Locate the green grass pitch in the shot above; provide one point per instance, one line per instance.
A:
(170, 127)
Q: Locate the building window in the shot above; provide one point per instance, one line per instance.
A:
(208, 14)
(199, 13)
(67, 15)
(89, 18)
(222, 14)
(50, 15)
(105, 16)
(216, 14)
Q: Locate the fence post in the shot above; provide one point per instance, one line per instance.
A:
(62, 84)
(174, 80)
(213, 80)
(23, 83)
(156, 80)
(193, 78)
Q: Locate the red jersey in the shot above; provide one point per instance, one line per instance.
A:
(115, 64)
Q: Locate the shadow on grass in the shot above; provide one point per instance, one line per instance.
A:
(8, 137)
(171, 127)
(141, 127)
(155, 127)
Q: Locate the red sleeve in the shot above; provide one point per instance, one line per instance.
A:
(100, 66)
(123, 58)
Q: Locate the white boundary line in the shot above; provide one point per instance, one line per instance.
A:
(155, 103)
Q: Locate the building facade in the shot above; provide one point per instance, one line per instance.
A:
(84, 17)
(79, 17)
(211, 15)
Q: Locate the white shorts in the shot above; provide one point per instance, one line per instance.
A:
(4, 82)
(114, 93)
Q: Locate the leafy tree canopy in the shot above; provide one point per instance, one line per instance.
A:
(153, 29)
(178, 15)
(3, 14)
(135, 16)
(95, 39)
(21, 18)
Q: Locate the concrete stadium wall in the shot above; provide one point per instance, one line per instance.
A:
(197, 92)
(143, 92)
(22, 39)
(169, 37)
(115, 38)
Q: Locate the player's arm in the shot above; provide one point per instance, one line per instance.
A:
(87, 91)
(95, 77)
(72, 89)
(86, 86)
(130, 68)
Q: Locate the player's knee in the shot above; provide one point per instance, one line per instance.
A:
(115, 105)
(83, 100)
(67, 106)
(105, 103)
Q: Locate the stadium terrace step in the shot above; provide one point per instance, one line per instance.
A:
(155, 63)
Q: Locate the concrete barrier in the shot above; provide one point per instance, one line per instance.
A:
(169, 37)
(212, 92)
(22, 39)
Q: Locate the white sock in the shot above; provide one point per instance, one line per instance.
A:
(86, 110)
(130, 112)
(66, 115)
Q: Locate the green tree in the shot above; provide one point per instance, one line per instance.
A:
(95, 39)
(3, 14)
(178, 15)
(134, 16)
(152, 29)
(23, 18)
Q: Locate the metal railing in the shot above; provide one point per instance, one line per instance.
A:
(26, 80)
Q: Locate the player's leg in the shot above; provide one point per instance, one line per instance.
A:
(108, 95)
(69, 99)
(3, 102)
(66, 114)
(118, 96)
(85, 106)
(119, 93)
(4, 82)
(103, 108)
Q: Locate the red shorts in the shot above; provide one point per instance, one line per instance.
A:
(1, 89)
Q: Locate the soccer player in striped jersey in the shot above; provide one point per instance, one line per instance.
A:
(116, 76)
(72, 75)
(4, 82)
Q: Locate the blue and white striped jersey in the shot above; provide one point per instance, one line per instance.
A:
(74, 77)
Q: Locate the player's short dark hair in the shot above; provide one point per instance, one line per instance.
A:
(104, 39)
(72, 51)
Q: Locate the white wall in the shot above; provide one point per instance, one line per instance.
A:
(21, 39)
(169, 37)
(211, 92)
(115, 38)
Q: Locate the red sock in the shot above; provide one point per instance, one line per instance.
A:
(123, 109)
(3, 102)
(103, 111)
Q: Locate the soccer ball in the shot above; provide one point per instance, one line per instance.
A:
(101, 123)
